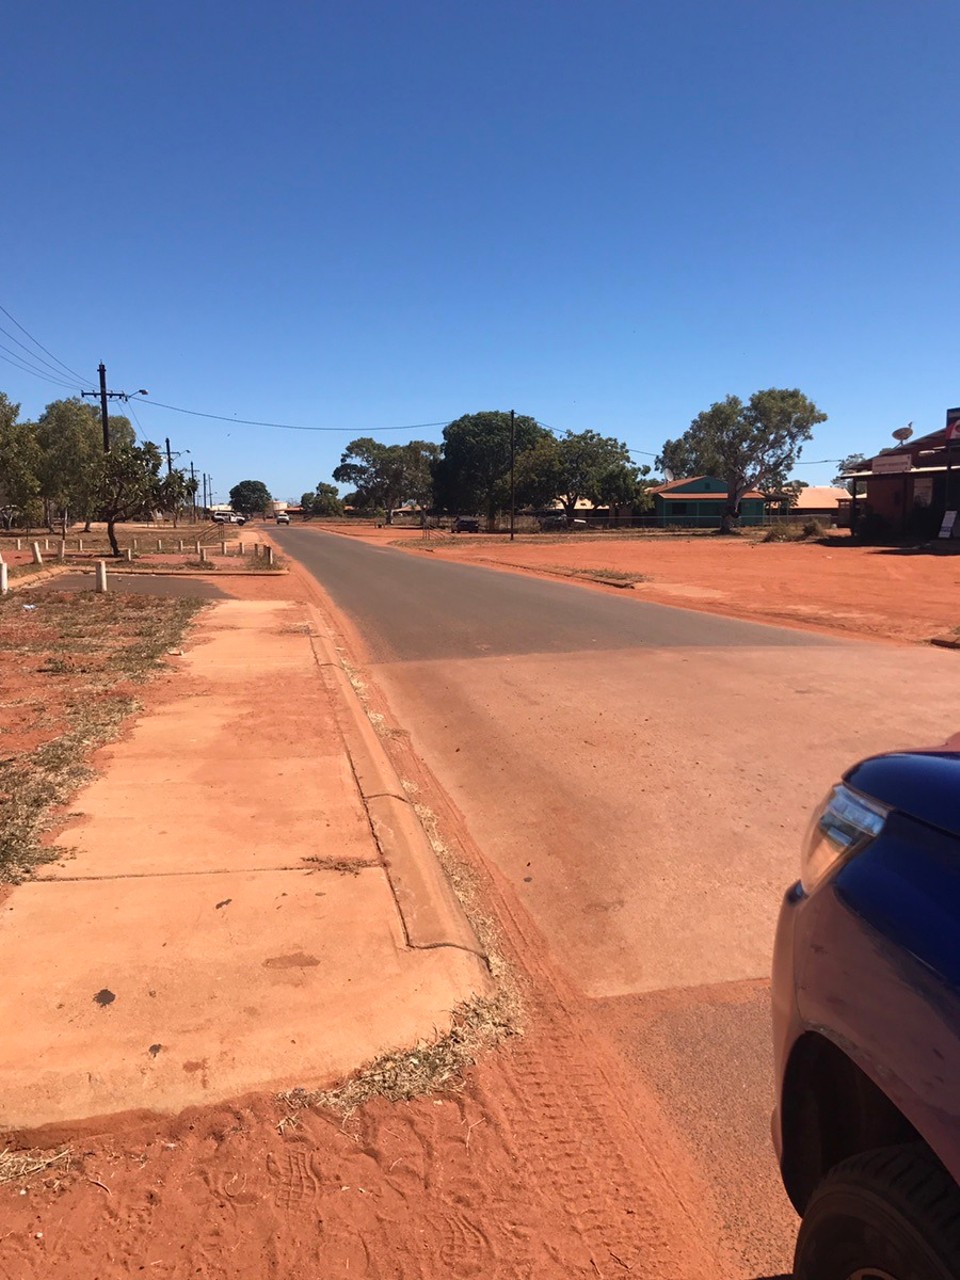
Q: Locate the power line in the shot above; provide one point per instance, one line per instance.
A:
(282, 426)
(25, 368)
(31, 355)
(136, 419)
(73, 373)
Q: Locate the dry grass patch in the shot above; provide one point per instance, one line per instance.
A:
(17, 1166)
(74, 660)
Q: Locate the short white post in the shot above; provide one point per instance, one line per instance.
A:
(256, 549)
(240, 548)
(19, 541)
(37, 557)
(180, 545)
(203, 554)
(101, 576)
(62, 553)
(159, 544)
(223, 548)
(79, 544)
(135, 545)
(129, 555)
(270, 555)
(197, 547)
(46, 544)
(4, 585)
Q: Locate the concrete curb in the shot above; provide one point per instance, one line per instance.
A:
(430, 910)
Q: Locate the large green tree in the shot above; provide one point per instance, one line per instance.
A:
(249, 497)
(586, 462)
(747, 445)
(474, 473)
(385, 475)
(70, 439)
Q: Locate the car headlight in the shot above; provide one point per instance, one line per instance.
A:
(843, 825)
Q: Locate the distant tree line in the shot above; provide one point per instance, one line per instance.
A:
(54, 471)
(469, 472)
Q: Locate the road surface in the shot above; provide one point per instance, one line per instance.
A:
(641, 777)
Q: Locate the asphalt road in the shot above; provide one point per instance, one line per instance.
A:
(641, 775)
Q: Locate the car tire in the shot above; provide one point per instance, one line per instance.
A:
(893, 1214)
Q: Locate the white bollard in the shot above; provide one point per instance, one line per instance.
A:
(180, 545)
(46, 544)
(135, 545)
(37, 557)
(270, 555)
(79, 544)
(129, 554)
(19, 547)
(203, 554)
(196, 546)
(4, 584)
(223, 548)
(159, 544)
(101, 576)
(62, 553)
(239, 548)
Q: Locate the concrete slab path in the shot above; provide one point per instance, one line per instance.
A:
(223, 918)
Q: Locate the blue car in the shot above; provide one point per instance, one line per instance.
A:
(866, 1014)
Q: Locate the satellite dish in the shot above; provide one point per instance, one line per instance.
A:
(667, 474)
(903, 434)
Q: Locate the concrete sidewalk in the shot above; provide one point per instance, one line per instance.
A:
(248, 901)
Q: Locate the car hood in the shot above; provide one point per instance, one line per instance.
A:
(923, 784)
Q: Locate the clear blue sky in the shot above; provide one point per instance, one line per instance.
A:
(370, 213)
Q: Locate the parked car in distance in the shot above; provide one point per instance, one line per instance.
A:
(228, 517)
(562, 522)
(283, 518)
(466, 524)
(866, 1019)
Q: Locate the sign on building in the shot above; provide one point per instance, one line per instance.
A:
(890, 464)
(953, 424)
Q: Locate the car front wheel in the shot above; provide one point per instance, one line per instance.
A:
(890, 1214)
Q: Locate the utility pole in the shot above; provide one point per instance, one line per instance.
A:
(104, 416)
(513, 458)
(193, 491)
(106, 395)
(169, 457)
(204, 492)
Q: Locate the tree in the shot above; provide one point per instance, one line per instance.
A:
(19, 466)
(474, 472)
(744, 444)
(852, 462)
(70, 439)
(128, 484)
(174, 491)
(249, 497)
(537, 473)
(585, 458)
(782, 495)
(383, 476)
(625, 486)
(325, 501)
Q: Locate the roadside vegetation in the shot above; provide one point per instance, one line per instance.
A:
(70, 664)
